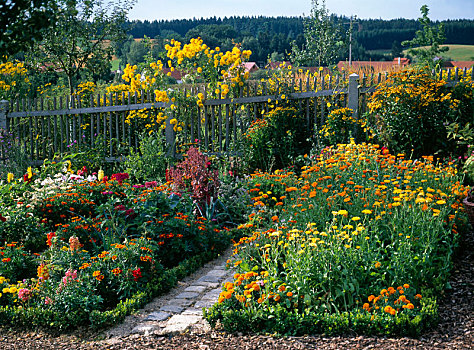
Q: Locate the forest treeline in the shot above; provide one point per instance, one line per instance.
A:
(273, 36)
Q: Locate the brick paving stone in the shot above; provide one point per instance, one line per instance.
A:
(196, 289)
(187, 295)
(157, 316)
(212, 295)
(209, 278)
(217, 273)
(204, 303)
(192, 311)
(172, 308)
(182, 302)
(179, 323)
(207, 284)
(145, 329)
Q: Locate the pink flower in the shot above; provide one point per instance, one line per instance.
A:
(119, 177)
(151, 184)
(48, 301)
(24, 294)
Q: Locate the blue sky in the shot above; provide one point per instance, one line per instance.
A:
(386, 9)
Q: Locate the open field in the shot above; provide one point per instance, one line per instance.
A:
(458, 52)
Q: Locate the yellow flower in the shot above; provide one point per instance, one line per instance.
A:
(100, 175)
(10, 177)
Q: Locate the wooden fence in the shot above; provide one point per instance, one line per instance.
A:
(47, 127)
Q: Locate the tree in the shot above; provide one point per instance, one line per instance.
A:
(137, 53)
(82, 37)
(397, 50)
(322, 38)
(425, 46)
(23, 22)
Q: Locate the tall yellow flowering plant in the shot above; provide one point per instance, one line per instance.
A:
(222, 73)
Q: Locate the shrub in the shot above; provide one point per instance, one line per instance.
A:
(412, 109)
(277, 139)
(340, 127)
(195, 177)
(151, 161)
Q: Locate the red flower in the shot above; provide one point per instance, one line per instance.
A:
(119, 177)
(2, 219)
(137, 274)
(49, 238)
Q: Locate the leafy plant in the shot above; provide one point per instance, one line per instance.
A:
(151, 161)
(277, 139)
(425, 46)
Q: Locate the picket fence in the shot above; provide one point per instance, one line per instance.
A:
(45, 128)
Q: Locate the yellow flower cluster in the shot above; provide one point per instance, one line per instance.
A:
(12, 77)
(413, 86)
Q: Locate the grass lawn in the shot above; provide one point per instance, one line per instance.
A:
(458, 52)
(115, 64)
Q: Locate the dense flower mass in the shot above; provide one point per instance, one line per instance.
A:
(86, 245)
(356, 219)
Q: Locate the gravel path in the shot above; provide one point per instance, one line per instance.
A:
(455, 330)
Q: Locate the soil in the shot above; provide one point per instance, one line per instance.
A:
(455, 329)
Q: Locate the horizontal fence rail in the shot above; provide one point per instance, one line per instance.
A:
(45, 127)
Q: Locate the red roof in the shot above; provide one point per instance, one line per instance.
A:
(459, 64)
(178, 75)
(250, 66)
(376, 65)
(277, 65)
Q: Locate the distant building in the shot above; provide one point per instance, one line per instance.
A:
(374, 65)
(458, 64)
(178, 75)
(250, 67)
(278, 65)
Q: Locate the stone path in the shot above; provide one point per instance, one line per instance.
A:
(181, 308)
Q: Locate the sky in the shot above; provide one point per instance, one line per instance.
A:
(385, 9)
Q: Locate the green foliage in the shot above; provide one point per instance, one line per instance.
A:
(322, 38)
(430, 37)
(80, 31)
(23, 22)
(340, 127)
(281, 321)
(412, 108)
(274, 141)
(152, 159)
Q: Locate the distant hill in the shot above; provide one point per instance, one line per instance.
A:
(372, 38)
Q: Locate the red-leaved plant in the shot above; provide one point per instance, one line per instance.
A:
(195, 176)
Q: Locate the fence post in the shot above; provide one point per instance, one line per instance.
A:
(353, 95)
(170, 137)
(3, 114)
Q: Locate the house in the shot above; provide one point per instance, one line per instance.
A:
(250, 67)
(374, 66)
(458, 64)
(278, 65)
(178, 75)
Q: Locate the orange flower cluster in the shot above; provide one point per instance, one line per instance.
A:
(391, 301)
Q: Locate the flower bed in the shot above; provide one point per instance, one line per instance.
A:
(361, 241)
(87, 249)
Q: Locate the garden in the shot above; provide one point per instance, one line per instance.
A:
(347, 227)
